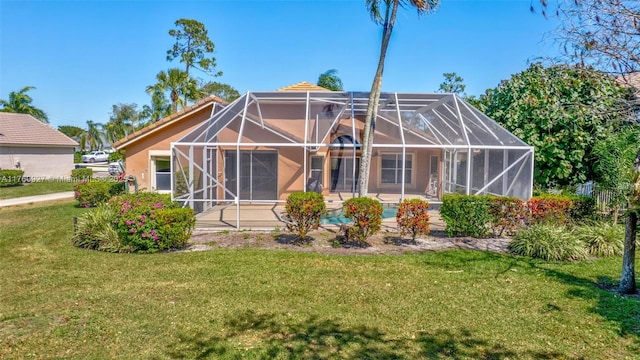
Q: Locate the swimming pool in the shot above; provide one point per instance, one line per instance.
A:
(336, 217)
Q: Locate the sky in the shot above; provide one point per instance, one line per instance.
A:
(85, 56)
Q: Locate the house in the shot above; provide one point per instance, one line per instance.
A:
(34, 147)
(266, 145)
(147, 151)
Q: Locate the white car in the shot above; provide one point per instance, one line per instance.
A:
(95, 156)
(116, 168)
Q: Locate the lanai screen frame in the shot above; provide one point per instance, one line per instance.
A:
(440, 117)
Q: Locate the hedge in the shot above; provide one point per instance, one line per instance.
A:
(11, 177)
(466, 215)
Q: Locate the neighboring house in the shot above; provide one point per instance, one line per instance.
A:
(266, 145)
(147, 151)
(34, 147)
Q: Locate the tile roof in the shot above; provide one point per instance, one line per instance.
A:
(303, 86)
(23, 129)
(631, 79)
(167, 120)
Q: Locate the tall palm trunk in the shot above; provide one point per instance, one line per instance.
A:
(628, 277)
(374, 98)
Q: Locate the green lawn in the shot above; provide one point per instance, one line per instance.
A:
(35, 188)
(57, 301)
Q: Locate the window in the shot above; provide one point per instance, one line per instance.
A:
(163, 174)
(391, 168)
(315, 171)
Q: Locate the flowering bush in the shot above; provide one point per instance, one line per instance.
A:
(303, 212)
(366, 214)
(507, 214)
(135, 220)
(144, 223)
(175, 226)
(413, 218)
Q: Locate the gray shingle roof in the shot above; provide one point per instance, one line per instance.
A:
(23, 129)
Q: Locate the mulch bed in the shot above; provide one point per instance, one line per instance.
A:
(330, 242)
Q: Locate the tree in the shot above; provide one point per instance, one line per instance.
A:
(160, 107)
(178, 84)
(453, 83)
(382, 12)
(20, 102)
(193, 47)
(604, 34)
(330, 80)
(223, 91)
(71, 131)
(92, 136)
(613, 158)
(561, 111)
(122, 121)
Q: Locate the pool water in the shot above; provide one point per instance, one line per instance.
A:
(336, 217)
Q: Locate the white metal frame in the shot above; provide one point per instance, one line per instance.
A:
(423, 121)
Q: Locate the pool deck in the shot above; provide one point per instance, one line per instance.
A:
(267, 217)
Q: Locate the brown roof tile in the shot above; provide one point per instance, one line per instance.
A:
(303, 86)
(632, 79)
(23, 129)
(167, 120)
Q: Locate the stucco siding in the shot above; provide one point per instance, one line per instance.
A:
(138, 158)
(40, 162)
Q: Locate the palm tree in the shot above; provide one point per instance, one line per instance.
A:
(92, 136)
(20, 102)
(387, 20)
(330, 80)
(178, 83)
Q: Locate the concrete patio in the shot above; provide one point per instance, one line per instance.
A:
(266, 217)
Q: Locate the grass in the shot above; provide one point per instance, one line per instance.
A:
(58, 301)
(35, 188)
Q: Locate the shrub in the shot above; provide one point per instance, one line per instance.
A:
(77, 157)
(366, 214)
(92, 193)
(118, 188)
(303, 211)
(548, 242)
(142, 226)
(584, 207)
(96, 192)
(82, 174)
(466, 215)
(413, 218)
(175, 226)
(11, 177)
(602, 238)
(555, 209)
(507, 214)
(95, 230)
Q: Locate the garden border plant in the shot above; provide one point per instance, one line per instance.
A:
(303, 211)
(413, 218)
(95, 192)
(11, 177)
(142, 222)
(366, 214)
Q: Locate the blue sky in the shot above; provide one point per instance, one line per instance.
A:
(84, 56)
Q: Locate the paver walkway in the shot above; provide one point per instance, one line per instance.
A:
(36, 198)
